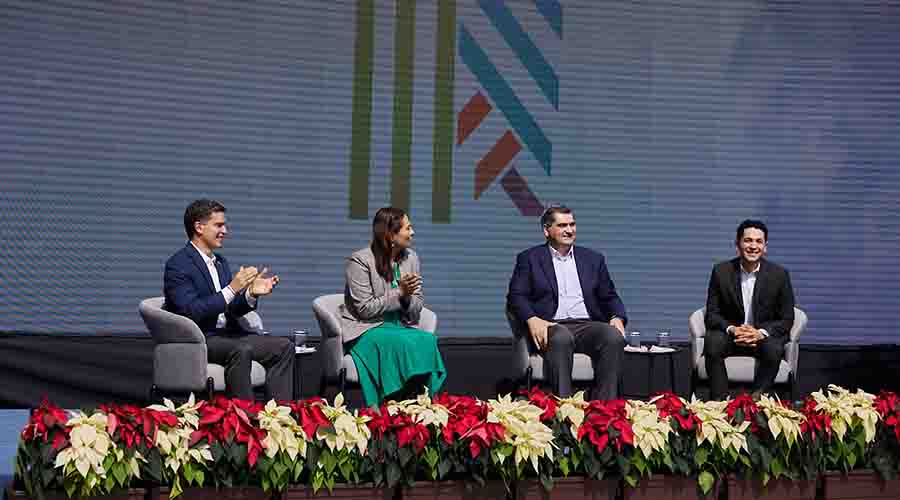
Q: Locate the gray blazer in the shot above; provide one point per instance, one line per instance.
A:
(367, 296)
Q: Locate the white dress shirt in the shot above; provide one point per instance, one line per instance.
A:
(227, 293)
(571, 297)
(748, 284)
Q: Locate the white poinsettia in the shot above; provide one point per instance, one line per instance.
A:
(571, 410)
(521, 421)
(283, 433)
(783, 421)
(89, 446)
(422, 410)
(174, 443)
(715, 427)
(349, 429)
(848, 409)
(651, 433)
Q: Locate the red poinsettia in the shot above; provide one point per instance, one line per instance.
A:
(228, 420)
(887, 404)
(408, 432)
(47, 422)
(606, 421)
(816, 423)
(309, 415)
(134, 425)
(468, 422)
(545, 401)
(670, 405)
(744, 409)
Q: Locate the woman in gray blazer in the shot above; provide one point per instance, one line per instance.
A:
(382, 302)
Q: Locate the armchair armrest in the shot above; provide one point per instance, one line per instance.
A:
(331, 348)
(697, 328)
(521, 353)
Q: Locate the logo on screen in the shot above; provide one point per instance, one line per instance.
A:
(453, 127)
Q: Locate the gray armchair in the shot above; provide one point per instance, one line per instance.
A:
(742, 369)
(529, 365)
(337, 366)
(179, 359)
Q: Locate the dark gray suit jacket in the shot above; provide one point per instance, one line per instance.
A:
(773, 298)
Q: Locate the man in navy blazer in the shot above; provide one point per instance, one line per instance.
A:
(749, 311)
(564, 296)
(198, 284)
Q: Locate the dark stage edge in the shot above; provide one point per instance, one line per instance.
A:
(84, 370)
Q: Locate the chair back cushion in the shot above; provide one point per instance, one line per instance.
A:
(166, 327)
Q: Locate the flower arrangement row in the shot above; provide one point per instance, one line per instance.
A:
(230, 442)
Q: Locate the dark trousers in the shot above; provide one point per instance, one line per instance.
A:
(719, 345)
(236, 351)
(603, 343)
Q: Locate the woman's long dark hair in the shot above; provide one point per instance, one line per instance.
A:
(387, 222)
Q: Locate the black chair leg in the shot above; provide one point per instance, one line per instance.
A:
(323, 385)
(693, 387)
(154, 393)
(342, 380)
(528, 374)
(210, 388)
(792, 380)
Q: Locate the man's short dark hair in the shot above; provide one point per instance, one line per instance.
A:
(549, 215)
(754, 224)
(199, 211)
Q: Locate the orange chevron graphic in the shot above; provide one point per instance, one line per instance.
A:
(471, 116)
(495, 161)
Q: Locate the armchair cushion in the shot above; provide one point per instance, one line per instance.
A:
(742, 368)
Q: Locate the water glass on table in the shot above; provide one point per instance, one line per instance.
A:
(300, 338)
(662, 339)
(634, 340)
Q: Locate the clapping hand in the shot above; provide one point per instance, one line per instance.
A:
(244, 277)
(410, 284)
(262, 284)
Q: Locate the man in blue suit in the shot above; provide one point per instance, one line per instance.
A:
(567, 300)
(198, 284)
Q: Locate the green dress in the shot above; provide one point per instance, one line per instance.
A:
(388, 355)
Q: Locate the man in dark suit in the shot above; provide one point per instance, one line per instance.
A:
(198, 284)
(749, 311)
(568, 301)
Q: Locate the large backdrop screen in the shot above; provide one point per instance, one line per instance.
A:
(662, 124)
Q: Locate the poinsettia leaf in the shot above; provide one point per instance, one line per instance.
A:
(393, 475)
(405, 455)
(444, 467)
(328, 461)
(706, 481)
(279, 468)
(700, 456)
(777, 467)
(121, 474)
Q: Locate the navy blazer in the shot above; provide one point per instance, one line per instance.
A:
(533, 290)
(189, 291)
(772, 301)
